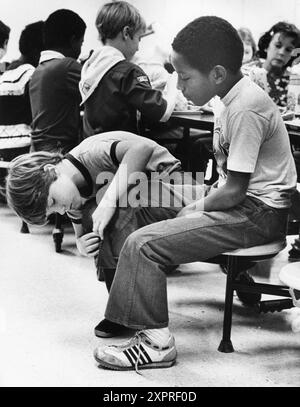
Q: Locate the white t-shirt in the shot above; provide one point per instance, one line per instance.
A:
(250, 136)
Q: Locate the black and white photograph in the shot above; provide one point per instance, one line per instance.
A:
(149, 196)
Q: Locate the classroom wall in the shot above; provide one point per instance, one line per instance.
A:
(169, 15)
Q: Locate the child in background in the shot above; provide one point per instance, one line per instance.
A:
(249, 45)
(248, 208)
(54, 93)
(275, 50)
(15, 110)
(114, 90)
(4, 37)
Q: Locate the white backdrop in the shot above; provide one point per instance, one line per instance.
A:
(169, 15)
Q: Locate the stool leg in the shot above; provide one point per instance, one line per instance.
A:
(225, 344)
(58, 233)
(24, 228)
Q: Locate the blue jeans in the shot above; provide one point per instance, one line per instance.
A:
(138, 296)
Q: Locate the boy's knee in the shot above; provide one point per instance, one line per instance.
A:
(137, 239)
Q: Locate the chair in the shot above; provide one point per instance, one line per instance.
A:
(290, 276)
(236, 263)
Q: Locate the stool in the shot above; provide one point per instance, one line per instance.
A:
(236, 260)
(290, 276)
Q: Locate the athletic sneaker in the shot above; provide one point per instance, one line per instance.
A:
(137, 353)
(108, 329)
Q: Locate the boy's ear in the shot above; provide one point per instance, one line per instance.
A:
(218, 74)
(126, 32)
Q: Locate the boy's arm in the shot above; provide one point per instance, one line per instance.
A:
(139, 93)
(228, 196)
(133, 156)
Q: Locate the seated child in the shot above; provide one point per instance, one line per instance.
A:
(41, 183)
(249, 207)
(249, 45)
(275, 50)
(53, 89)
(114, 90)
(15, 111)
(4, 37)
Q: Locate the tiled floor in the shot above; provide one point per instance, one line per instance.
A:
(50, 303)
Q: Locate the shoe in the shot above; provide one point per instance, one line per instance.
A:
(247, 298)
(294, 253)
(137, 353)
(108, 329)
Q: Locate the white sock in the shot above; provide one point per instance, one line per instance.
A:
(159, 336)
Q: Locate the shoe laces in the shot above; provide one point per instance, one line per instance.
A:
(136, 340)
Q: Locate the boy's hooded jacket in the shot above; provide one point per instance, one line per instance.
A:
(115, 92)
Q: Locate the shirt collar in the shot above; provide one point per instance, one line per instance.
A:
(234, 91)
(49, 54)
(87, 190)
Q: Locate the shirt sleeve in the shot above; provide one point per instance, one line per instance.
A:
(137, 89)
(246, 132)
(75, 217)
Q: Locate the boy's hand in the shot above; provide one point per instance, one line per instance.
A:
(88, 244)
(101, 217)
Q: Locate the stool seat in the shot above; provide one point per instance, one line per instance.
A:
(261, 250)
(290, 275)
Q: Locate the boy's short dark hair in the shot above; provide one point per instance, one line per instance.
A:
(32, 39)
(209, 41)
(287, 29)
(61, 26)
(113, 17)
(4, 33)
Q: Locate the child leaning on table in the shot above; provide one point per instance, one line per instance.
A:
(114, 90)
(249, 207)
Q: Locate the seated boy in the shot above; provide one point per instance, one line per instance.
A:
(249, 207)
(53, 89)
(41, 183)
(114, 90)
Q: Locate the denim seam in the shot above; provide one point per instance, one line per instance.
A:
(154, 238)
(130, 306)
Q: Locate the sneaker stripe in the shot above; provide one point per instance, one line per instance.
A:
(142, 360)
(132, 354)
(135, 354)
(126, 353)
(145, 354)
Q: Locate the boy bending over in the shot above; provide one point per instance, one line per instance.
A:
(41, 183)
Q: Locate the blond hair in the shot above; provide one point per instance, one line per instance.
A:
(113, 17)
(27, 185)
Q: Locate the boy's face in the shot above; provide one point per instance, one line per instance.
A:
(132, 44)
(195, 85)
(63, 196)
